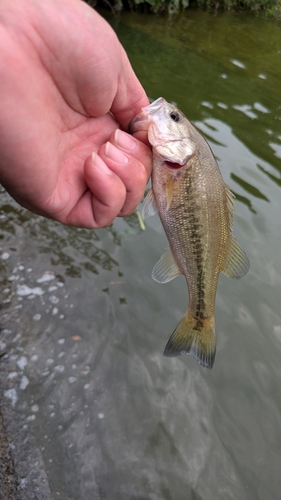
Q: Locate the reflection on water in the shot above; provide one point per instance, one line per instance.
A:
(83, 325)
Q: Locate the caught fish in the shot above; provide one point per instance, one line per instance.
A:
(196, 210)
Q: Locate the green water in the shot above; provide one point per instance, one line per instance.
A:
(84, 326)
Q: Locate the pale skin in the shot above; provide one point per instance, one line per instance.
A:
(68, 94)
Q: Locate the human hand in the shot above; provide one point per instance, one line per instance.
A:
(66, 87)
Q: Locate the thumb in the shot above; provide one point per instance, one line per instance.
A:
(130, 96)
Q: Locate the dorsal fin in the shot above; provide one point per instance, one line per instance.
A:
(237, 263)
(230, 204)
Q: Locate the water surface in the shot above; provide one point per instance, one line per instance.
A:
(84, 326)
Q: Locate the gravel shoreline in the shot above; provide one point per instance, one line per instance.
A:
(7, 471)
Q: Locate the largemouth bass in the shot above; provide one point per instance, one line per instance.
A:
(196, 210)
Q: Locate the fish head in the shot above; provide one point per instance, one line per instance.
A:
(169, 132)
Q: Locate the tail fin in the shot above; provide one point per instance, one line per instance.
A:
(195, 339)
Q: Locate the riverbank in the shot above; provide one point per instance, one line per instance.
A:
(270, 9)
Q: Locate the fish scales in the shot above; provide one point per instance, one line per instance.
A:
(196, 210)
(190, 231)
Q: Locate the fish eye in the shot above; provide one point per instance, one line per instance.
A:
(175, 116)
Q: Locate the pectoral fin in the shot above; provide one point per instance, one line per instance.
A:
(149, 206)
(170, 191)
(237, 263)
(166, 268)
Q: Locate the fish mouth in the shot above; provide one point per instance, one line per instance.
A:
(141, 122)
(154, 106)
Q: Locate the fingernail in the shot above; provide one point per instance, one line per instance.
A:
(97, 161)
(124, 140)
(115, 154)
